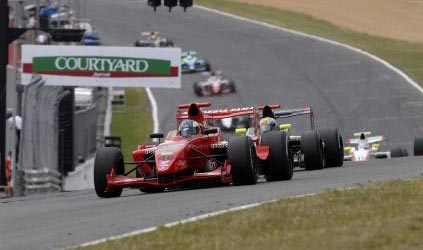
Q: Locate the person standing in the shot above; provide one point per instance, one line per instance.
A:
(14, 122)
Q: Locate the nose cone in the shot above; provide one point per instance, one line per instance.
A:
(166, 154)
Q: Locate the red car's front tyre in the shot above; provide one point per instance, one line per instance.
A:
(106, 159)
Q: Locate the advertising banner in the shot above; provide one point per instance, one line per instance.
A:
(103, 66)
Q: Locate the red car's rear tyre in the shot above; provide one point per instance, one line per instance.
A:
(241, 155)
(106, 159)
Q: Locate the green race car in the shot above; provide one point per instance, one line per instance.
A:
(192, 63)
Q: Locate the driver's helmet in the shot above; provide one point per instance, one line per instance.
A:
(154, 35)
(267, 124)
(188, 128)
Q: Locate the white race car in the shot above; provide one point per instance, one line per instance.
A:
(365, 147)
(215, 84)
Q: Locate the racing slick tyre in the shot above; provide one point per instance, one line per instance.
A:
(333, 147)
(241, 155)
(232, 86)
(398, 152)
(314, 157)
(106, 159)
(197, 89)
(208, 66)
(418, 145)
(279, 162)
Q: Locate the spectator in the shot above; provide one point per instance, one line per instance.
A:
(32, 22)
(14, 121)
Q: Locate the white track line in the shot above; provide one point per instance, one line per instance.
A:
(156, 127)
(360, 51)
(154, 110)
(108, 116)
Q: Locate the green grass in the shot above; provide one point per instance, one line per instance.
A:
(379, 216)
(405, 55)
(133, 121)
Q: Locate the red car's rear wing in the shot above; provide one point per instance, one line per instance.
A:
(220, 113)
(199, 104)
(272, 106)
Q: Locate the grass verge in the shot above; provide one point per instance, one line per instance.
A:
(405, 55)
(132, 122)
(377, 216)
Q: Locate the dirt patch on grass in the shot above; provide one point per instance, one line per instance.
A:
(397, 19)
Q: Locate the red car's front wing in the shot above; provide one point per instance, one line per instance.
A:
(222, 174)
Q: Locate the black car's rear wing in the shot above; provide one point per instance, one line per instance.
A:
(287, 113)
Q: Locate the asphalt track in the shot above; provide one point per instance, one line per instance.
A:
(346, 90)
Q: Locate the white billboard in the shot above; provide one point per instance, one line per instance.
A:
(102, 66)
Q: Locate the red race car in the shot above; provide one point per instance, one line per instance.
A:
(197, 153)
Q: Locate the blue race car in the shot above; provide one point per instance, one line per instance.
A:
(191, 63)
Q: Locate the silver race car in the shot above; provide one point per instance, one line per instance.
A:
(153, 39)
(215, 84)
(364, 147)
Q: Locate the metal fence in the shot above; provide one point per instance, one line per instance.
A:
(39, 135)
(85, 132)
(40, 167)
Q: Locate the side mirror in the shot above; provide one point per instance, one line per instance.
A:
(156, 136)
(240, 131)
(286, 127)
(112, 141)
(210, 131)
